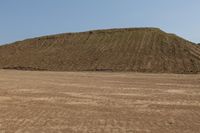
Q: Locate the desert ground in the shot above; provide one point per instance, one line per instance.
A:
(98, 102)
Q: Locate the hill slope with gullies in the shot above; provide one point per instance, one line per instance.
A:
(134, 49)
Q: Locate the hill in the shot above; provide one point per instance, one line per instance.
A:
(134, 49)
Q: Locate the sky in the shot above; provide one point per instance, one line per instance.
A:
(22, 19)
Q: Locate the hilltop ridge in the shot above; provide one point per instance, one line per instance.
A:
(129, 49)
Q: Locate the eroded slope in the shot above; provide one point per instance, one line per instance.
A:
(138, 49)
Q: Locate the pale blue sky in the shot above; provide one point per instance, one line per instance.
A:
(21, 19)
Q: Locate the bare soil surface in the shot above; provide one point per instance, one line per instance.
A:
(119, 50)
(98, 102)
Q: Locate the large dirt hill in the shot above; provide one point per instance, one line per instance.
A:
(135, 49)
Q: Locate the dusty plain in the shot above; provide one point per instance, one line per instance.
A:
(98, 102)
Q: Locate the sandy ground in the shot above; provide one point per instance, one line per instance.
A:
(97, 102)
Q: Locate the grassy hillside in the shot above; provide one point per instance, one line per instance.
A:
(136, 49)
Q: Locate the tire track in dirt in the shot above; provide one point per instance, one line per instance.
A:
(98, 102)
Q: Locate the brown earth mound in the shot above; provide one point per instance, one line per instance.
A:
(136, 49)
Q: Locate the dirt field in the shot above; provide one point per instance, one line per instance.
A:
(98, 102)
